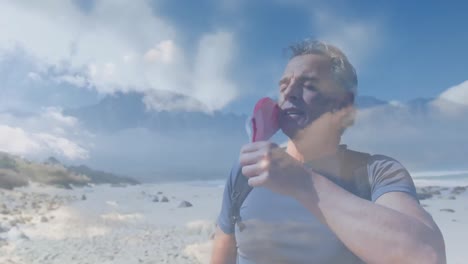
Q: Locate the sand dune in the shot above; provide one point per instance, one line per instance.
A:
(104, 224)
(113, 225)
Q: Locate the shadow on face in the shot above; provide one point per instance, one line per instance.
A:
(310, 98)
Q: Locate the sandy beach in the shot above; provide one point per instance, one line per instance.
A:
(156, 223)
(105, 224)
(449, 208)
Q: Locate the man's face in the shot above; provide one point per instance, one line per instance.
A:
(307, 90)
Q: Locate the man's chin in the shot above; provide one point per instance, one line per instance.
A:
(291, 132)
(295, 132)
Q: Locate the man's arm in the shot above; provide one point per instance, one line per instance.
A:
(224, 248)
(394, 229)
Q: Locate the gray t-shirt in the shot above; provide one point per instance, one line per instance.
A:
(278, 229)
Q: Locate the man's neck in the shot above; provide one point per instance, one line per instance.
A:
(309, 150)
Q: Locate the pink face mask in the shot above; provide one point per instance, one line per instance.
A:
(263, 123)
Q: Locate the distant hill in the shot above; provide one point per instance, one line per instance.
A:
(363, 102)
(123, 111)
(178, 145)
(128, 110)
(100, 177)
(17, 172)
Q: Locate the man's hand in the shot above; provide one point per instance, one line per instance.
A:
(265, 164)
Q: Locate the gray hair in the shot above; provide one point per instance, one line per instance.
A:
(342, 70)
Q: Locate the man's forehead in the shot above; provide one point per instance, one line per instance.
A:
(308, 66)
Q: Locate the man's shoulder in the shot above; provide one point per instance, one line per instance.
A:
(371, 158)
(383, 168)
(380, 160)
(377, 165)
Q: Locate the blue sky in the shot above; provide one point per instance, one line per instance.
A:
(221, 55)
(411, 49)
(402, 50)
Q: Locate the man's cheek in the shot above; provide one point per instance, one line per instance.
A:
(280, 100)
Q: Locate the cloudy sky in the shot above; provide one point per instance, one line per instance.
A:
(223, 55)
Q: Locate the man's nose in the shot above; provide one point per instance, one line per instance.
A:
(292, 91)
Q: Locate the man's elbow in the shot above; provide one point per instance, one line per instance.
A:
(435, 252)
(432, 255)
(437, 249)
(430, 251)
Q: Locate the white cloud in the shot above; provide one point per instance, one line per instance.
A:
(164, 52)
(215, 53)
(16, 140)
(47, 118)
(457, 93)
(61, 146)
(56, 30)
(45, 134)
(396, 103)
(357, 38)
(55, 115)
(117, 46)
(424, 137)
(453, 102)
(34, 76)
(161, 100)
(75, 80)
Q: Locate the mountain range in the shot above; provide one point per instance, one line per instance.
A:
(127, 110)
(128, 138)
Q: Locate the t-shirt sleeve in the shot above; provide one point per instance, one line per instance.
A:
(388, 175)
(224, 218)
